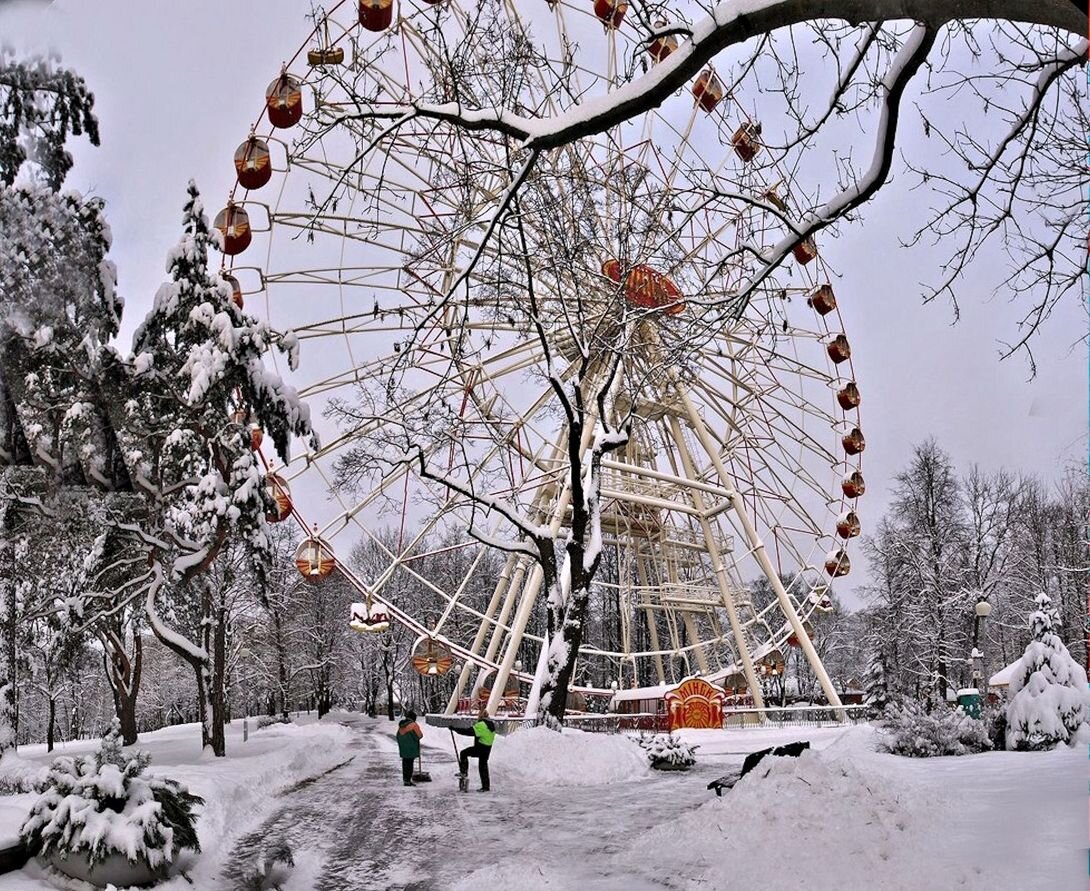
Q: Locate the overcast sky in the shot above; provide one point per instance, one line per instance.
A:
(176, 86)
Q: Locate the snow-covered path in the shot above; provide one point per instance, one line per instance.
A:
(358, 828)
(996, 821)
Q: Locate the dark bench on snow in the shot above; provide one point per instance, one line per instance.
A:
(791, 750)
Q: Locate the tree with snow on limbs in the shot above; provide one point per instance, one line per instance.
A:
(1048, 692)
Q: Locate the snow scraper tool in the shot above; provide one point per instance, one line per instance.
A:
(421, 775)
(463, 779)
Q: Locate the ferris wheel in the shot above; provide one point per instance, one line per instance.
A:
(403, 252)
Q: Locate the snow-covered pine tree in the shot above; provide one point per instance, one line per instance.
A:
(877, 688)
(1048, 693)
(58, 294)
(197, 361)
(40, 105)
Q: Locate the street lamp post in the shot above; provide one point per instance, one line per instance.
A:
(982, 610)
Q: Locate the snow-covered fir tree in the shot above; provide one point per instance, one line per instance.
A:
(198, 385)
(1048, 694)
(877, 688)
(41, 104)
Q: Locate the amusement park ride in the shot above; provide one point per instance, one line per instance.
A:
(367, 231)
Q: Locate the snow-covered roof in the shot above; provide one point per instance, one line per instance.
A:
(1002, 678)
(644, 692)
(656, 692)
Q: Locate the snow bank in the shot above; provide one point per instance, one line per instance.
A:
(239, 790)
(841, 823)
(539, 756)
(848, 817)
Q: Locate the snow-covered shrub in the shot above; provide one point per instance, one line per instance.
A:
(272, 867)
(264, 721)
(665, 751)
(1048, 695)
(994, 719)
(98, 805)
(946, 731)
(19, 776)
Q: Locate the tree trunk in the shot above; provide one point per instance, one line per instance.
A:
(50, 728)
(559, 673)
(202, 701)
(123, 675)
(281, 663)
(217, 690)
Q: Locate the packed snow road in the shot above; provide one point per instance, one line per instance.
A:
(358, 827)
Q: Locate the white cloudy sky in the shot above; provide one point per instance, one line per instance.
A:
(177, 84)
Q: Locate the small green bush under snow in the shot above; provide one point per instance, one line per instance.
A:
(666, 752)
(103, 804)
(946, 731)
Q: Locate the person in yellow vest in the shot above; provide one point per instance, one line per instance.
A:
(484, 733)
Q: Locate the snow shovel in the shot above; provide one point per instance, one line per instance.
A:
(463, 779)
(421, 775)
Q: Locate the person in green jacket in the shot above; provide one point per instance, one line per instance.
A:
(484, 733)
(409, 735)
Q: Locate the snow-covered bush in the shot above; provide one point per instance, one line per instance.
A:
(272, 867)
(19, 776)
(946, 731)
(264, 721)
(667, 752)
(1048, 688)
(98, 805)
(995, 720)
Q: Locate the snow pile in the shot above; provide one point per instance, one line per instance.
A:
(1047, 688)
(834, 814)
(239, 790)
(571, 758)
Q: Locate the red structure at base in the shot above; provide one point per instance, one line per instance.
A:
(695, 704)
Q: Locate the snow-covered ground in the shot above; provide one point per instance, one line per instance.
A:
(582, 811)
(239, 790)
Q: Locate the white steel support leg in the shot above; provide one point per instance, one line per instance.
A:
(758, 548)
(522, 615)
(482, 630)
(690, 625)
(652, 626)
(720, 572)
(514, 588)
(533, 701)
(694, 639)
(514, 639)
